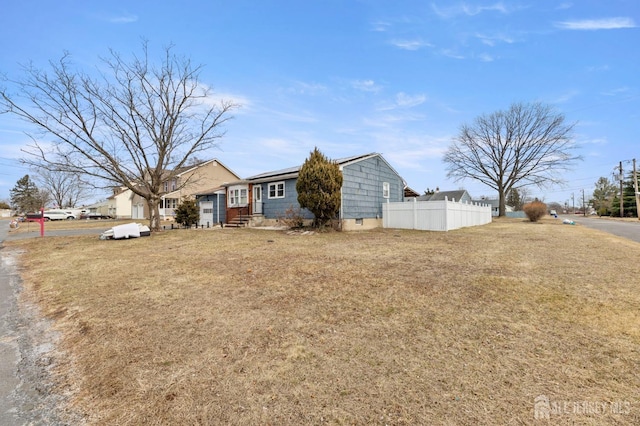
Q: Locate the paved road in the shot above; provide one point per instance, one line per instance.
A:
(56, 233)
(630, 230)
(22, 402)
(9, 352)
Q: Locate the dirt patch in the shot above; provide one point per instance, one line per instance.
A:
(37, 400)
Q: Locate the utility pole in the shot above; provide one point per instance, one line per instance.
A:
(573, 203)
(584, 209)
(635, 187)
(621, 178)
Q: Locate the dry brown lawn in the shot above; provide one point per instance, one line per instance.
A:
(243, 326)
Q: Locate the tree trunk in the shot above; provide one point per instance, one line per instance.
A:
(153, 203)
(502, 211)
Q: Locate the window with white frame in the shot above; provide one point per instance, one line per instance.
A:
(166, 186)
(237, 196)
(174, 184)
(385, 189)
(169, 203)
(276, 190)
(207, 211)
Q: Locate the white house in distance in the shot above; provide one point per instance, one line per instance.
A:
(120, 203)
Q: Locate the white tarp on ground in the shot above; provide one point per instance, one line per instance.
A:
(129, 230)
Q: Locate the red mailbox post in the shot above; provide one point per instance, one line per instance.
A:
(39, 219)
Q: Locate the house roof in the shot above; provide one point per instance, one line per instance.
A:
(292, 172)
(216, 190)
(409, 192)
(440, 195)
(186, 169)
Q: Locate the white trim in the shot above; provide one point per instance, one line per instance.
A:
(276, 184)
(234, 196)
(386, 190)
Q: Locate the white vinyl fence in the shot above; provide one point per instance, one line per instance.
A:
(434, 215)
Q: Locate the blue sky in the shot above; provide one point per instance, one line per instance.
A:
(352, 77)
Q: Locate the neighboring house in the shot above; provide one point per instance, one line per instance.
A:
(120, 203)
(101, 207)
(410, 193)
(495, 206)
(188, 182)
(368, 182)
(461, 196)
(213, 206)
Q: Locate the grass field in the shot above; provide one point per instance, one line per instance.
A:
(244, 326)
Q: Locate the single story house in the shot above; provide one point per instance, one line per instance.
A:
(264, 199)
(495, 206)
(213, 206)
(461, 196)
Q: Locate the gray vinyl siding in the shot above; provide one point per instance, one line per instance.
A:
(362, 188)
(274, 208)
(219, 211)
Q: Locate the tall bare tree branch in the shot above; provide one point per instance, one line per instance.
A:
(529, 144)
(134, 125)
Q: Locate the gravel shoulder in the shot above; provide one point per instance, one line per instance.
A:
(27, 350)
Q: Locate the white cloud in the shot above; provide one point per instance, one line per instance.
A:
(366, 85)
(408, 101)
(617, 91)
(451, 54)
(485, 57)
(468, 9)
(413, 151)
(492, 40)
(565, 97)
(410, 44)
(381, 26)
(302, 88)
(597, 24)
(215, 98)
(599, 68)
(123, 19)
(564, 6)
(402, 100)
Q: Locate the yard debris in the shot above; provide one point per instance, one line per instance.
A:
(300, 232)
(129, 230)
(568, 222)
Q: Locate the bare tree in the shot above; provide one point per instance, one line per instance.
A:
(65, 189)
(526, 145)
(135, 125)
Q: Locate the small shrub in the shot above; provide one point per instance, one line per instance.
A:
(535, 210)
(187, 213)
(292, 218)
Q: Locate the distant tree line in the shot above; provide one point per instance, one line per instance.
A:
(606, 198)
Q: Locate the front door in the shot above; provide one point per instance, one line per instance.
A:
(257, 199)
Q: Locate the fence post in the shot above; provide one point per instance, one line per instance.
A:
(446, 213)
